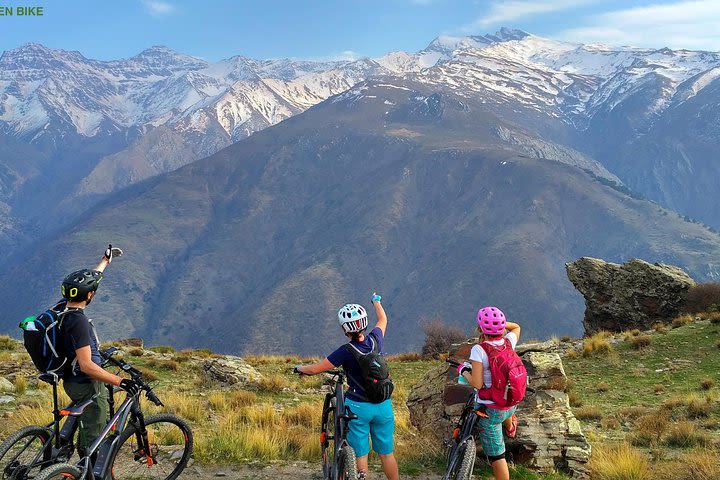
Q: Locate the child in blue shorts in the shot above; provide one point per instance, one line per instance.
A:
(375, 420)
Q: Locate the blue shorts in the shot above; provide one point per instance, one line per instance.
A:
(491, 433)
(375, 420)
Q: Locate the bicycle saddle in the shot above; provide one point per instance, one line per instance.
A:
(75, 410)
(50, 378)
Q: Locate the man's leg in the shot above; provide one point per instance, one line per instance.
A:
(390, 467)
(94, 418)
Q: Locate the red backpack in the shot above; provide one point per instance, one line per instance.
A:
(509, 377)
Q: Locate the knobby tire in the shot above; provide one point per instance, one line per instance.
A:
(22, 454)
(347, 464)
(60, 471)
(468, 452)
(171, 444)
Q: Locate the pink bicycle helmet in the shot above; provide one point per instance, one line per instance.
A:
(491, 321)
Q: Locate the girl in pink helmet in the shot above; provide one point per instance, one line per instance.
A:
(493, 328)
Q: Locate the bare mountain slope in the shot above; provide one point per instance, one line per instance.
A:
(426, 196)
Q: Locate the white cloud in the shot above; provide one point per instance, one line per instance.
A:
(691, 24)
(502, 12)
(158, 8)
(347, 55)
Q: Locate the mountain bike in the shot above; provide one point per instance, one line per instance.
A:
(130, 446)
(338, 457)
(461, 448)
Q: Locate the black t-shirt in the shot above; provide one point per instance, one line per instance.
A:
(77, 333)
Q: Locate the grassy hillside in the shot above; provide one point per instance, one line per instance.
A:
(649, 402)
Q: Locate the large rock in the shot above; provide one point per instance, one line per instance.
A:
(549, 436)
(635, 294)
(231, 371)
(6, 385)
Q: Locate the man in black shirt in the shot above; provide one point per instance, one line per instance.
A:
(83, 377)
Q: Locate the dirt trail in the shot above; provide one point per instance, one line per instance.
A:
(276, 470)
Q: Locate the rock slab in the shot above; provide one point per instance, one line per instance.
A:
(231, 371)
(636, 294)
(549, 436)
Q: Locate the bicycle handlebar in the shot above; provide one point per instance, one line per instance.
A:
(453, 362)
(134, 373)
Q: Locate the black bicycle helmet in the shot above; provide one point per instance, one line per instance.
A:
(77, 285)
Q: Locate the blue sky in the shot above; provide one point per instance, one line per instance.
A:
(325, 29)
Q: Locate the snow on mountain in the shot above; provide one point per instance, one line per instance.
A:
(43, 90)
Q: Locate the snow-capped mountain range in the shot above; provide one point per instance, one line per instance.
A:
(115, 123)
(43, 89)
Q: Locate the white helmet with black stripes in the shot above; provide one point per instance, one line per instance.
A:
(353, 318)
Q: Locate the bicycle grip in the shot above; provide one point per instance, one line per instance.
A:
(153, 398)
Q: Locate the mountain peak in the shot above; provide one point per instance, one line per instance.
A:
(162, 56)
(506, 34)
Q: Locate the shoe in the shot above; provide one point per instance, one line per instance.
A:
(512, 431)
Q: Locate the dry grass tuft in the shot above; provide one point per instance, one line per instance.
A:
(658, 388)
(602, 386)
(598, 343)
(685, 435)
(404, 357)
(660, 327)
(682, 320)
(648, 430)
(574, 399)
(640, 342)
(591, 412)
(707, 383)
(273, 383)
(631, 413)
(136, 352)
(635, 332)
(618, 462)
(696, 465)
(699, 407)
(162, 349)
(572, 353)
(6, 343)
(21, 384)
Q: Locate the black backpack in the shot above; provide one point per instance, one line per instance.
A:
(376, 379)
(42, 337)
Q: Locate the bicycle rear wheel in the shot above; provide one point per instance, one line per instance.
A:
(327, 437)
(23, 454)
(171, 444)
(61, 471)
(347, 464)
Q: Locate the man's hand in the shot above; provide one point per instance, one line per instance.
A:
(130, 386)
(112, 252)
(375, 297)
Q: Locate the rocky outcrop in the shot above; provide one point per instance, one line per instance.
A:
(231, 371)
(636, 294)
(549, 436)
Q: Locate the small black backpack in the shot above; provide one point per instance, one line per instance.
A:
(376, 379)
(42, 337)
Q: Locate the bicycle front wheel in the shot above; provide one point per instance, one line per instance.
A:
(61, 471)
(347, 464)
(24, 453)
(171, 443)
(468, 452)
